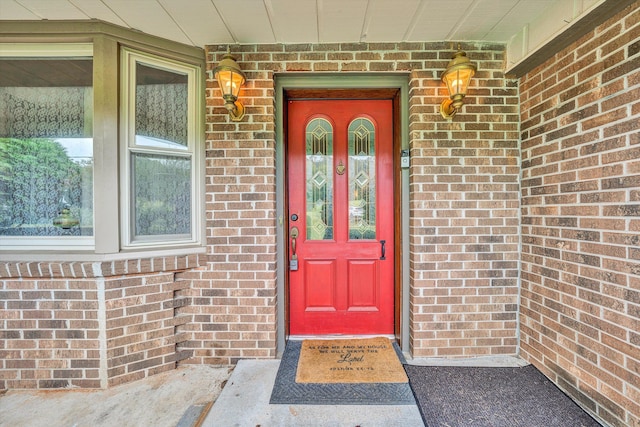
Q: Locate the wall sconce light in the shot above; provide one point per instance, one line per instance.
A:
(230, 79)
(456, 76)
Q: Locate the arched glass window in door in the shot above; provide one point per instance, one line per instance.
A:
(319, 180)
(362, 179)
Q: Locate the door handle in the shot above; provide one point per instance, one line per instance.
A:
(382, 249)
(293, 261)
(294, 235)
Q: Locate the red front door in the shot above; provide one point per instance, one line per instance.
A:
(340, 194)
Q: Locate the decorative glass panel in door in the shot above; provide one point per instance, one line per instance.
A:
(362, 180)
(319, 150)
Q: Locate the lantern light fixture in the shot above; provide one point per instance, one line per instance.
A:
(230, 79)
(456, 76)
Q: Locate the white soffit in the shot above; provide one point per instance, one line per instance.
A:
(13, 10)
(340, 20)
(481, 18)
(293, 20)
(149, 17)
(511, 23)
(525, 26)
(51, 9)
(248, 20)
(96, 9)
(388, 20)
(437, 20)
(558, 17)
(198, 20)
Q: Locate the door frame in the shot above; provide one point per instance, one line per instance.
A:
(349, 86)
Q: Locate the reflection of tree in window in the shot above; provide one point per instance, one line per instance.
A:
(35, 176)
(46, 145)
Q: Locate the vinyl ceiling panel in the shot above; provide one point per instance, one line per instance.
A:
(248, 20)
(148, 16)
(437, 19)
(293, 19)
(199, 20)
(523, 25)
(9, 8)
(557, 15)
(389, 20)
(340, 20)
(96, 9)
(481, 18)
(512, 21)
(52, 9)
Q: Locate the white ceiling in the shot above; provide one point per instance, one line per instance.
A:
(201, 22)
(524, 25)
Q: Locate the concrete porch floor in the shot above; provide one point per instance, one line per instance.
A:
(158, 401)
(244, 402)
(175, 398)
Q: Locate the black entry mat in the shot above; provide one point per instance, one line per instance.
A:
(450, 396)
(287, 391)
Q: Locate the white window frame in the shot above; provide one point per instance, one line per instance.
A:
(129, 59)
(50, 50)
(110, 139)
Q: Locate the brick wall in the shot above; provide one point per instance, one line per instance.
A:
(464, 199)
(49, 332)
(139, 326)
(464, 203)
(463, 226)
(232, 304)
(88, 325)
(580, 311)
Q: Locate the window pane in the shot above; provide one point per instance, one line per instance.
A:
(162, 195)
(161, 108)
(362, 180)
(46, 147)
(319, 149)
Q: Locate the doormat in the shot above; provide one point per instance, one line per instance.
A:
(287, 391)
(492, 397)
(370, 360)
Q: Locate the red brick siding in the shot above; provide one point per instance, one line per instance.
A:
(463, 225)
(139, 326)
(464, 203)
(580, 307)
(51, 332)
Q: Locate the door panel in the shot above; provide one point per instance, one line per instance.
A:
(320, 285)
(362, 295)
(340, 184)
